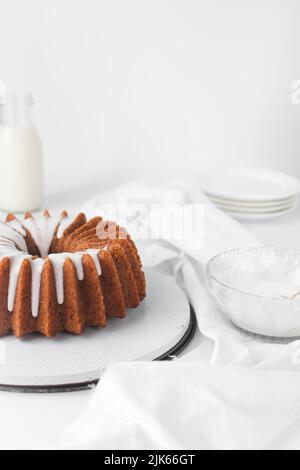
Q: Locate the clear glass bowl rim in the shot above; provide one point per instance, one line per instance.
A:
(237, 250)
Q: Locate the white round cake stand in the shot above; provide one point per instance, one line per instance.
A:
(158, 328)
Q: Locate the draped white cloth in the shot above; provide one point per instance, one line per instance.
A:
(233, 391)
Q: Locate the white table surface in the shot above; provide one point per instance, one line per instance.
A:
(30, 421)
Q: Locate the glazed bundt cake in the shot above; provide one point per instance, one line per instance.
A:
(61, 274)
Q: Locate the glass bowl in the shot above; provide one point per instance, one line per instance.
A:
(239, 281)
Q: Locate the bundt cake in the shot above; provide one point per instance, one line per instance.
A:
(62, 274)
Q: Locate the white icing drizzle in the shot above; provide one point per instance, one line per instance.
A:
(15, 264)
(64, 222)
(42, 232)
(42, 229)
(10, 235)
(16, 224)
(94, 255)
(37, 266)
(13, 246)
(58, 260)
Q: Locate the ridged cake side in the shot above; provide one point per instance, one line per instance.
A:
(88, 300)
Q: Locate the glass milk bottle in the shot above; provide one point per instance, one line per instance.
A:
(21, 158)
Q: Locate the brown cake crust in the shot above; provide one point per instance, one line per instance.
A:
(86, 302)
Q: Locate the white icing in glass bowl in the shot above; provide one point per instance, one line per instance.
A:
(257, 289)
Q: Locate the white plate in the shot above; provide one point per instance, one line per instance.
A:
(254, 205)
(147, 332)
(250, 185)
(251, 210)
(259, 216)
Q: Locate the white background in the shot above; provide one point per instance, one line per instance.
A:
(128, 88)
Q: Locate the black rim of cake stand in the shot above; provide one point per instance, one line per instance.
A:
(77, 387)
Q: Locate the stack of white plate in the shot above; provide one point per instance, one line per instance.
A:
(252, 194)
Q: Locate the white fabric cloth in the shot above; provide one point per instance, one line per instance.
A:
(181, 405)
(233, 391)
